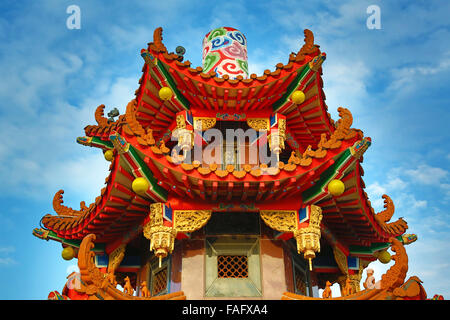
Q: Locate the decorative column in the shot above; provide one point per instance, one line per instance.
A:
(164, 224)
(304, 224)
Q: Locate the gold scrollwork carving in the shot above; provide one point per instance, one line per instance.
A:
(116, 257)
(341, 260)
(280, 220)
(204, 123)
(181, 122)
(162, 237)
(259, 124)
(190, 220)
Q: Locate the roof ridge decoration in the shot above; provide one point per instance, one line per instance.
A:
(99, 116)
(388, 212)
(68, 217)
(143, 137)
(309, 46)
(396, 274)
(63, 210)
(396, 227)
(157, 40)
(308, 49)
(96, 285)
(104, 126)
(389, 284)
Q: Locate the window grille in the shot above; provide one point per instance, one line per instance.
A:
(300, 281)
(159, 281)
(232, 266)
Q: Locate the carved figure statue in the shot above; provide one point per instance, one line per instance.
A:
(370, 281)
(145, 291)
(128, 289)
(348, 289)
(327, 292)
(111, 278)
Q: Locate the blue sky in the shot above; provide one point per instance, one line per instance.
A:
(394, 80)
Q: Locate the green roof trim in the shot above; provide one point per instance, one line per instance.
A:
(108, 144)
(292, 86)
(184, 102)
(369, 250)
(157, 189)
(99, 247)
(327, 176)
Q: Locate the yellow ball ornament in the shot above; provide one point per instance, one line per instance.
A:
(68, 253)
(336, 187)
(384, 257)
(298, 97)
(140, 185)
(109, 155)
(165, 93)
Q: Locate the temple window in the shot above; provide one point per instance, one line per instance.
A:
(232, 266)
(232, 262)
(159, 277)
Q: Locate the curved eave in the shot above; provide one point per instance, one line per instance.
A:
(188, 181)
(114, 212)
(307, 121)
(202, 92)
(350, 217)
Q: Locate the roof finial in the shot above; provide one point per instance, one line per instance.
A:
(225, 52)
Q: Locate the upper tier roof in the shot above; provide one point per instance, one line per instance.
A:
(147, 119)
(202, 92)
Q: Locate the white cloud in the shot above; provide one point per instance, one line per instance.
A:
(7, 249)
(7, 261)
(426, 174)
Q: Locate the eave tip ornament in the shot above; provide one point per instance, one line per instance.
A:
(298, 97)
(109, 155)
(68, 253)
(336, 187)
(140, 185)
(165, 93)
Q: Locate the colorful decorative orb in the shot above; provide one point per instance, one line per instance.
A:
(109, 155)
(384, 257)
(336, 187)
(165, 93)
(298, 97)
(68, 253)
(140, 185)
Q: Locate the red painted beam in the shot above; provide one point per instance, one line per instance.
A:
(230, 190)
(215, 184)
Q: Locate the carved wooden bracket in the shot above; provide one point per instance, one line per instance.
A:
(307, 235)
(162, 232)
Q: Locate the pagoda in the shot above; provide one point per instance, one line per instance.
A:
(225, 185)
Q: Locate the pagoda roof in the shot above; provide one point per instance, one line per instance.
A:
(113, 213)
(202, 92)
(349, 217)
(331, 151)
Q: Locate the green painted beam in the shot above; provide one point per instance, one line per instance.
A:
(291, 87)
